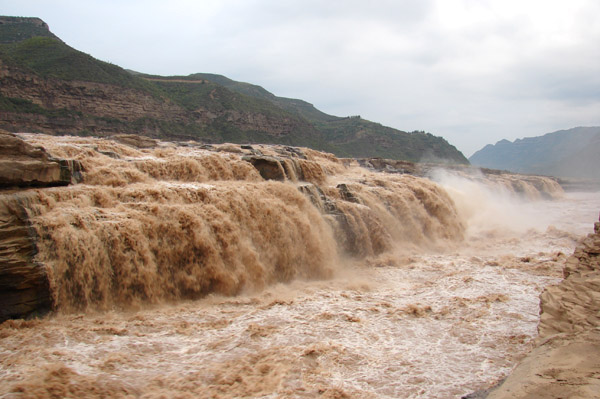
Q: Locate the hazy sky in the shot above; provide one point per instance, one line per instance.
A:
(472, 71)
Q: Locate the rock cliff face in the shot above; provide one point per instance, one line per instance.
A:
(24, 284)
(566, 362)
(19, 28)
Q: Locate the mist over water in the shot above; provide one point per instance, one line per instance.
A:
(498, 203)
(179, 272)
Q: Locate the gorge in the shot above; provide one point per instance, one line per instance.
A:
(195, 236)
(227, 270)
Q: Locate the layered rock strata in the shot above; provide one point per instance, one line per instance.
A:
(22, 165)
(24, 284)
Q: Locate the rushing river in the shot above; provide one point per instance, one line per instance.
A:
(404, 322)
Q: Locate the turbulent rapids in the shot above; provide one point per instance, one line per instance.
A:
(269, 271)
(173, 223)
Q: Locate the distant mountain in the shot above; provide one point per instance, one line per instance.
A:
(47, 86)
(565, 153)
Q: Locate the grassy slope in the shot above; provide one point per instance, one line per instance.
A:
(38, 51)
(353, 137)
(300, 107)
(15, 29)
(194, 93)
(48, 57)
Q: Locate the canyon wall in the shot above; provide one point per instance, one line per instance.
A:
(565, 362)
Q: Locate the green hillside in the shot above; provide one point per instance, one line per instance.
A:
(15, 29)
(345, 136)
(300, 107)
(49, 57)
(207, 107)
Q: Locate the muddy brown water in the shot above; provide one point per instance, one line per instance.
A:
(208, 282)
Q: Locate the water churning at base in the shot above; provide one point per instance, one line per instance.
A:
(433, 292)
(172, 242)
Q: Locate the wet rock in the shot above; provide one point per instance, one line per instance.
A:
(477, 394)
(294, 152)
(482, 393)
(248, 149)
(71, 171)
(564, 364)
(24, 284)
(338, 220)
(287, 165)
(319, 199)
(390, 166)
(270, 168)
(293, 170)
(231, 148)
(586, 257)
(347, 194)
(110, 154)
(135, 140)
(23, 165)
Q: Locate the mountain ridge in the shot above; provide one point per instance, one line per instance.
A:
(50, 87)
(564, 153)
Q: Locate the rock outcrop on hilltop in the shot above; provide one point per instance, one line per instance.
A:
(566, 361)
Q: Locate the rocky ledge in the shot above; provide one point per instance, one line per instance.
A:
(22, 165)
(566, 361)
(24, 289)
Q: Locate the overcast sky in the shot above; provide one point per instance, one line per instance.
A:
(472, 71)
